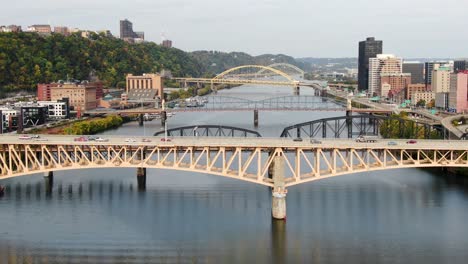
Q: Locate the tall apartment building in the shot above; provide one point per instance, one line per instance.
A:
(429, 67)
(368, 48)
(460, 65)
(416, 69)
(458, 95)
(382, 64)
(127, 33)
(441, 79)
(167, 43)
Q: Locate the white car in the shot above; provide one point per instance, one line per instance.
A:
(130, 140)
(100, 139)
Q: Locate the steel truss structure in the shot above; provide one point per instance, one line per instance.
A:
(365, 124)
(209, 131)
(251, 162)
(284, 103)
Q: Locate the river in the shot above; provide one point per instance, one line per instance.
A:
(99, 216)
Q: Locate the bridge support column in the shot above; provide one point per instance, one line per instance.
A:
(163, 118)
(141, 178)
(297, 90)
(349, 123)
(49, 181)
(141, 118)
(278, 198)
(256, 118)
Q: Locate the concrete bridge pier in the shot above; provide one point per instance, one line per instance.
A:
(278, 197)
(141, 118)
(141, 178)
(49, 181)
(163, 118)
(256, 118)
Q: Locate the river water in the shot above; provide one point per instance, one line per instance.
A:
(99, 216)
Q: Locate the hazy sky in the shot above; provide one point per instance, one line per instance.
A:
(300, 28)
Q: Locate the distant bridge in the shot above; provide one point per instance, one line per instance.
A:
(364, 124)
(208, 131)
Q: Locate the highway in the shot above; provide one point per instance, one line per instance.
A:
(240, 142)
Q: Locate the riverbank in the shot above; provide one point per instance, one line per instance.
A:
(84, 127)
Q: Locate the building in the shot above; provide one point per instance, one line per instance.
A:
(442, 100)
(144, 87)
(167, 43)
(429, 67)
(56, 109)
(441, 79)
(381, 65)
(414, 88)
(458, 95)
(62, 30)
(394, 83)
(127, 33)
(32, 115)
(41, 29)
(43, 91)
(422, 96)
(9, 120)
(367, 49)
(460, 65)
(81, 96)
(10, 28)
(416, 69)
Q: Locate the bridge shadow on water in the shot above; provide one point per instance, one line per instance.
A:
(228, 222)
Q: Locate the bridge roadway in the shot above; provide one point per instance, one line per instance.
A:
(260, 142)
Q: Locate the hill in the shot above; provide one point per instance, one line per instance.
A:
(27, 59)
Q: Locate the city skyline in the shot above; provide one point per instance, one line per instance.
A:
(299, 28)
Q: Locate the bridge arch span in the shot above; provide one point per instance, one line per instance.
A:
(209, 131)
(264, 68)
(286, 65)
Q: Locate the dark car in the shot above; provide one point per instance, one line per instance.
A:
(411, 141)
(298, 139)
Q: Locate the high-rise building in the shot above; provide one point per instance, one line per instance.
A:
(61, 30)
(382, 64)
(367, 49)
(416, 69)
(413, 89)
(441, 79)
(167, 43)
(429, 67)
(460, 65)
(458, 95)
(126, 29)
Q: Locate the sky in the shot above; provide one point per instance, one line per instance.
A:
(299, 28)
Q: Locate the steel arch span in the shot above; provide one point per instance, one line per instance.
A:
(209, 131)
(364, 124)
(285, 65)
(259, 67)
(247, 159)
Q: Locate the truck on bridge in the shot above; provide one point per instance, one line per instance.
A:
(367, 139)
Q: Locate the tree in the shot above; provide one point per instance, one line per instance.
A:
(421, 103)
(431, 104)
